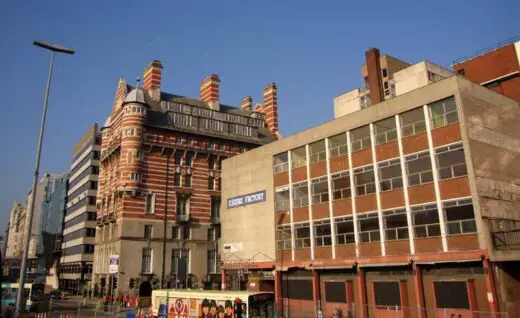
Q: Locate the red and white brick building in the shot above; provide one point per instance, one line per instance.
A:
(159, 184)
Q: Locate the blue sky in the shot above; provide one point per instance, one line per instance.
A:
(312, 50)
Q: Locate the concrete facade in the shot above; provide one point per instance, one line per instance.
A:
(79, 223)
(291, 236)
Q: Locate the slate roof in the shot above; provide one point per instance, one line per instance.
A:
(157, 116)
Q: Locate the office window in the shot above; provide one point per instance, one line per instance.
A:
(146, 260)
(451, 294)
(384, 72)
(385, 131)
(302, 235)
(135, 176)
(182, 205)
(215, 208)
(338, 145)
(186, 233)
(175, 232)
(150, 203)
(211, 182)
(281, 162)
(211, 162)
(189, 159)
(187, 180)
(283, 237)
(365, 180)
(300, 195)
(451, 162)
(177, 158)
(344, 230)
(212, 234)
(460, 218)
(319, 190)
(322, 233)
(360, 138)
(317, 151)
(412, 122)
(298, 157)
(419, 168)
(281, 199)
(148, 231)
(390, 177)
(176, 179)
(443, 112)
(180, 262)
(396, 224)
(387, 294)
(368, 228)
(426, 221)
(129, 132)
(212, 262)
(341, 185)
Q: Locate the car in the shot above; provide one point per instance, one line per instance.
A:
(55, 294)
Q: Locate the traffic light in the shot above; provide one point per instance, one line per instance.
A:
(114, 282)
(132, 283)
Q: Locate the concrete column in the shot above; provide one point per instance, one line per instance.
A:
(278, 293)
(491, 288)
(362, 293)
(470, 286)
(316, 290)
(419, 291)
(223, 278)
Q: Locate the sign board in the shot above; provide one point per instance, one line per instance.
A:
(113, 266)
(247, 199)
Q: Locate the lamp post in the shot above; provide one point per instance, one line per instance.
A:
(59, 49)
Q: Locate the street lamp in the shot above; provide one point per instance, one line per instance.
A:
(53, 48)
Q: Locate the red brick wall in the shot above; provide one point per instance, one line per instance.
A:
(490, 65)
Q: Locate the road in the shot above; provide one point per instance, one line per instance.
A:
(75, 307)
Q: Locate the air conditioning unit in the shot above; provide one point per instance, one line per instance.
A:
(134, 193)
(177, 169)
(188, 170)
(211, 173)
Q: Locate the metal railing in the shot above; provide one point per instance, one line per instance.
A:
(505, 233)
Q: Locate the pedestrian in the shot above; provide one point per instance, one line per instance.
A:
(125, 300)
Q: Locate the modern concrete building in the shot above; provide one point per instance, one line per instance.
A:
(158, 204)
(496, 67)
(408, 208)
(385, 77)
(80, 219)
(51, 225)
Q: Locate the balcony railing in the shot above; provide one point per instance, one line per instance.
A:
(505, 233)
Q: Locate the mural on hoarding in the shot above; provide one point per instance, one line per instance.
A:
(206, 308)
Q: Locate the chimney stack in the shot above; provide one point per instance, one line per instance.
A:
(271, 107)
(152, 79)
(247, 103)
(374, 75)
(210, 91)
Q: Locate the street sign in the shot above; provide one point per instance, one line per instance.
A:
(113, 267)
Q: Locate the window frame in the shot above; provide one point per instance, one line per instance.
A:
(361, 170)
(300, 240)
(303, 201)
(445, 114)
(395, 182)
(282, 205)
(373, 235)
(281, 166)
(459, 223)
(364, 142)
(417, 127)
(149, 206)
(320, 197)
(385, 134)
(446, 149)
(339, 149)
(322, 239)
(435, 226)
(345, 237)
(401, 232)
(317, 156)
(281, 237)
(421, 174)
(344, 192)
